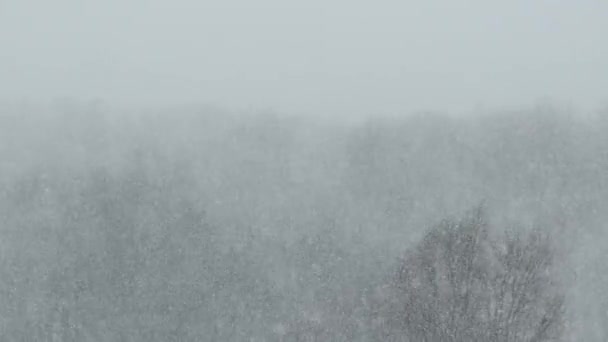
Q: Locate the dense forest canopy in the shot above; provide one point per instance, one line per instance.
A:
(196, 224)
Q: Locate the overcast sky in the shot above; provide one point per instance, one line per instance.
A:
(308, 56)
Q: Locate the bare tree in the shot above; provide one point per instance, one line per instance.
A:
(460, 284)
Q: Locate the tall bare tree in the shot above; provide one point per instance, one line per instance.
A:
(460, 284)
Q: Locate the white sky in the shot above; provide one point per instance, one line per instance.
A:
(309, 56)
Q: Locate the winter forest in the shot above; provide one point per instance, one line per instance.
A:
(202, 224)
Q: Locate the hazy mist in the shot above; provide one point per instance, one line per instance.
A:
(319, 57)
(388, 171)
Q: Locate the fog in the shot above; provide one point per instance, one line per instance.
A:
(303, 171)
(199, 224)
(326, 57)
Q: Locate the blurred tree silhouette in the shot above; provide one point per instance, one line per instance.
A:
(459, 284)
